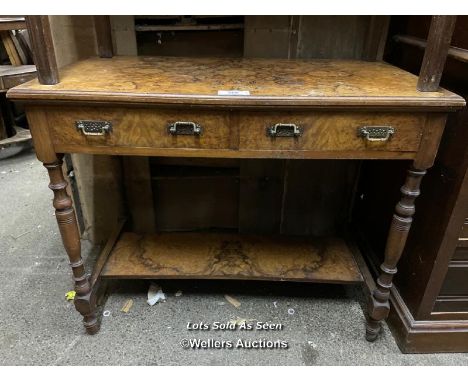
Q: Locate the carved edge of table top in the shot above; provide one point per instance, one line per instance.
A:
(451, 103)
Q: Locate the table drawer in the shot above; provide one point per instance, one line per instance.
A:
(330, 131)
(140, 128)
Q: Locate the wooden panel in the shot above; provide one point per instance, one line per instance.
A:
(220, 43)
(195, 193)
(139, 194)
(140, 128)
(460, 254)
(269, 81)
(464, 231)
(103, 35)
(316, 197)
(338, 37)
(455, 280)
(324, 131)
(123, 33)
(376, 37)
(425, 336)
(261, 195)
(189, 36)
(451, 304)
(99, 187)
(196, 201)
(228, 256)
(74, 38)
(267, 36)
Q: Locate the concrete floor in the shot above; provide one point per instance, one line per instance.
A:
(39, 327)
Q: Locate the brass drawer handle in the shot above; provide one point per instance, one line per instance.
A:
(185, 128)
(94, 127)
(376, 133)
(284, 130)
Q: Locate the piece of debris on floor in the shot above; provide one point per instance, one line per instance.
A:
(239, 321)
(106, 313)
(234, 302)
(127, 306)
(291, 311)
(70, 295)
(178, 293)
(17, 237)
(155, 294)
(311, 344)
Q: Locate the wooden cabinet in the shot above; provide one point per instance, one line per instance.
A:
(430, 298)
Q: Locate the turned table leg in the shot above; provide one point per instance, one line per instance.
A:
(65, 214)
(401, 223)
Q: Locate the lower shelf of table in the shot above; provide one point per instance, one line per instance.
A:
(231, 256)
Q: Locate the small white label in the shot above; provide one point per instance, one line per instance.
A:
(233, 92)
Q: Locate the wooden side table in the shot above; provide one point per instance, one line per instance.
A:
(235, 108)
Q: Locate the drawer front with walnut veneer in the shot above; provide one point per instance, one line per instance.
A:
(139, 128)
(236, 133)
(331, 131)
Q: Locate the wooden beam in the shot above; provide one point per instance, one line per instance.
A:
(438, 43)
(103, 36)
(453, 52)
(10, 48)
(190, 27)
(43, 49)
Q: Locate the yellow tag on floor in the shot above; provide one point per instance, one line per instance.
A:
(70, 295)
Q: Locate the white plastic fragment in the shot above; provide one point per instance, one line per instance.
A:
(291, 311)
(106, 313)
(155, 294)
(311, 344)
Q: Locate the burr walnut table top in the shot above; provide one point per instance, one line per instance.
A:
(270, 82)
